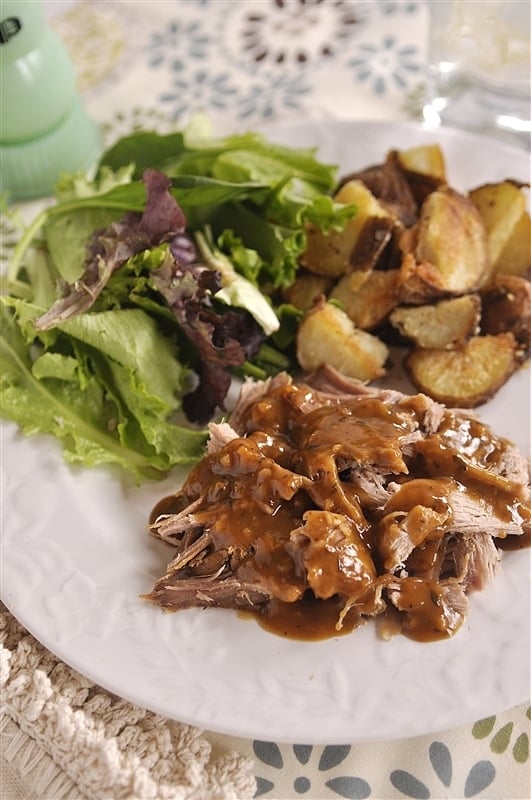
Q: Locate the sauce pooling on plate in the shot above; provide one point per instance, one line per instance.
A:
(321, 505)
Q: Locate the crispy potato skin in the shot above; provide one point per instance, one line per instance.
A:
(359, 244)
(445, 325)
(445, 274)
(389, 183)
(507, 307)
(306, 289)
(465, 377)
(452, 238)
(368, 298)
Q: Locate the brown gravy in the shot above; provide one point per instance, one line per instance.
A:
(283, 509)
(309, 619)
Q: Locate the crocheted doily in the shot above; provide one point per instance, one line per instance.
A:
(72, 739)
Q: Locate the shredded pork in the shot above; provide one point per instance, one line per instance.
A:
(324, 503)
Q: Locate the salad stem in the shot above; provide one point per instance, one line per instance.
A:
(22, 245)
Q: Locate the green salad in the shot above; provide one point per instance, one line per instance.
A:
(133, 299)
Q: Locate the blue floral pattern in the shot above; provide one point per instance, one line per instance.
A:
(322, 766)
(479, 777)
(386, 65)
(178, 43)
(327, 771)
(269, 56)
(268, 98)
(198, 91)
(394, 7)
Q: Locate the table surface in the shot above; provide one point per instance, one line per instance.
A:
(244, 63)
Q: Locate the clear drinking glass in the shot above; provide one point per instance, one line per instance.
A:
(479, 72)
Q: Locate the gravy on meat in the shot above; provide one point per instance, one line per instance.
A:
(318, 512)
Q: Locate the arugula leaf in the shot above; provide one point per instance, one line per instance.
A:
(264, 192)
(143, 149)
(67, 235)
(195, 191)
(234, 156)
(277, 247)
(131, 197)
(141, 291)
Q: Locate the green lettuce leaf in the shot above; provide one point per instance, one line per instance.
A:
(236, 290)
(109, 400)
(112, 381)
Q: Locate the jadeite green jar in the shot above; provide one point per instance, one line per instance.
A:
(44, 129)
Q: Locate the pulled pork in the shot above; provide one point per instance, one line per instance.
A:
(323, 503)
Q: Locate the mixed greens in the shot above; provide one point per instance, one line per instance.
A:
(135, 297)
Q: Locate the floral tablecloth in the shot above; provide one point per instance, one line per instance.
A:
(244, 63)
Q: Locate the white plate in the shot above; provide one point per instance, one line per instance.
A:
(76, 557)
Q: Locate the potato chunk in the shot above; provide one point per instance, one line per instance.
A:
(450, 255)
(443, 273)
(465, 377)
(327, 336)
(306, 289)
(515, 257)
(424, 167)
(358, 245)
(500, 205)
(443, 325)
(389, 185)
(367, 297)
(507, 307)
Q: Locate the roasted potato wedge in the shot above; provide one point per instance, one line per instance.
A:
(367, 297)
(515, 258)
(442, 325)
(450, 255)
(441, 272)
(465, 377)
(327, 336)
(507, 307)
(358, 245)
(501, 206)
(306, 289)
(424, 168)
(389, 185)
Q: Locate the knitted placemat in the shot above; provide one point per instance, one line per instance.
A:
(64, 737)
